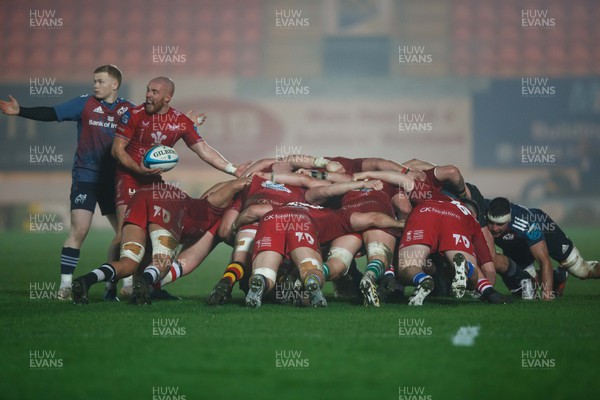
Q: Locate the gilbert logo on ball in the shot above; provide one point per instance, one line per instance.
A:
(161, 157)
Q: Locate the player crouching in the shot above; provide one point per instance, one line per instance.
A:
(164, 215)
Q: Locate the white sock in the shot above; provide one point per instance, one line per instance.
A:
(128, 281)
(66, 280)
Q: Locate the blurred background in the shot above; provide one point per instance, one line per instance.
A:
(509, 91)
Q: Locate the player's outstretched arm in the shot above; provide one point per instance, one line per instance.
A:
(392, 177)
(319, 195)
(222, 197)
(214, 158)
(12, 108)
(251, 214)
(304, 161)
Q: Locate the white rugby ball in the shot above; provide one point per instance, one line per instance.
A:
(161, 157)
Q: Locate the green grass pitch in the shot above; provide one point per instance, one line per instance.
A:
(52, 350)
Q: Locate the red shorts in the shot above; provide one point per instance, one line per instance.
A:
(439, 225)
(167, 212)
(126, 185)
(282, 231)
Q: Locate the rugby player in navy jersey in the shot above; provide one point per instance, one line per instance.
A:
(93, 172)
(526, 236)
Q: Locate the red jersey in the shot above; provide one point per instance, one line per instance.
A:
(144, 131)
(445, 226)
(263, 191)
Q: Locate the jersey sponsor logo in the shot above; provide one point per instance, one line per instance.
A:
(122, 110)
(304, 205)
(158, 137)
(280, 187)
(98, 110)
(80, 199)
(534, 233)
(102, 124)
(508, 236)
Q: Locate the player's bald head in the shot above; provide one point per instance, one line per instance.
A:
(167, 83)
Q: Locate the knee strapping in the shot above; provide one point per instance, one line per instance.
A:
(133, 250)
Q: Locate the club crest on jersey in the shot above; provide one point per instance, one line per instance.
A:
(80, 199)
(275, 186)
(508, 236)
(158, 137)
(122, 110)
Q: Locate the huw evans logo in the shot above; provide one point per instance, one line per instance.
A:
(537, 87)
(44, 359)
(169, 54)
(537, 19)
(537, 155)
(537, 359)
(290, 359)
(290, 87)
(44, 87)
(413, 327)
(291, 19)
(44, 19)
(411, 55)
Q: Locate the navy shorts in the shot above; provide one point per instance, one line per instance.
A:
(85, 195)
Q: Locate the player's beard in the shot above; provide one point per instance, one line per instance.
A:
(151, 108)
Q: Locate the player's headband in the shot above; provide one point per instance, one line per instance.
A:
(499, 219)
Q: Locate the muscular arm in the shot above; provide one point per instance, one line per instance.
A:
(451, 173)
(381, 164)
(304, 161)
(415, 163)
(215, 159)
(320, 194)
(123, 158)
(392, 177)
(540, 253)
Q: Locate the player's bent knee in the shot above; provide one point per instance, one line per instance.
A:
(243, 244)
(576, 265)
(163, 243)
(379, 250)
(133, 251)
(342, 255)
(268, 273)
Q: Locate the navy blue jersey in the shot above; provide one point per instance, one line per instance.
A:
(523, 232)
(558, 243)
(96, 124)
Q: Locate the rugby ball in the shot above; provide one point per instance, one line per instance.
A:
(161, 157)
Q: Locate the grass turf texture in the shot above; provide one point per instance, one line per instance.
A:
(108, 350)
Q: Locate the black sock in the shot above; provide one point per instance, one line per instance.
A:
(105, 273)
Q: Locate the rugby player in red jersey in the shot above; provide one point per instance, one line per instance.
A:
(297, 230)
(155, 123)
(164, 216)
(439, 223)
